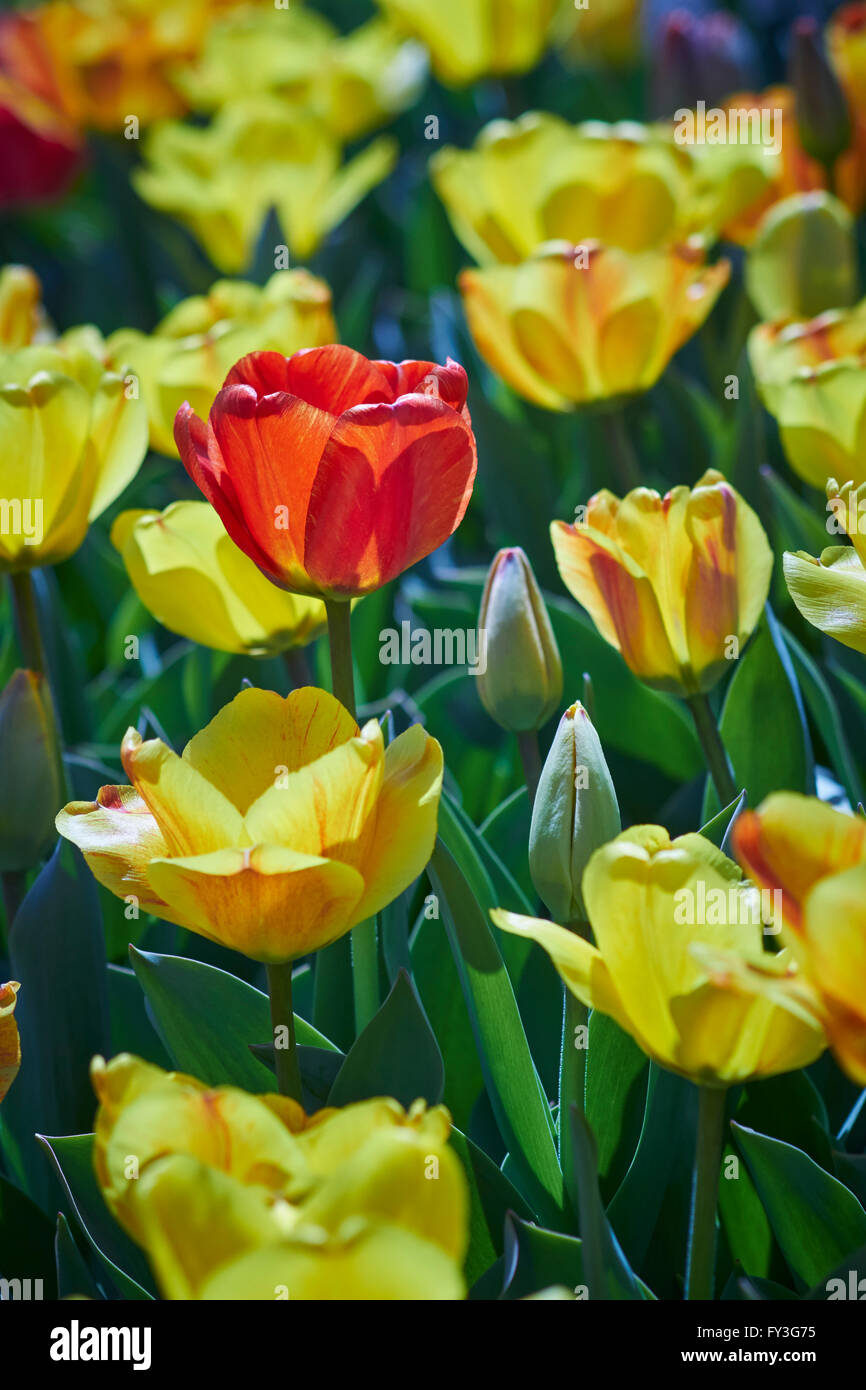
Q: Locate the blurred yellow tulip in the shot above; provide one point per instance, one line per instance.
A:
(72, 436)
(679, 961)
(604, 33)
(353, 82)
(190, 353)
(815, 858)
(846, 43)
(258, 153)
(830, 591)
(191, 576)
(468, 39)
(281, 827)
(539, 178)
(576, 324)
(812, 377)
(21, 314)
(10, 1044)
(676, 583)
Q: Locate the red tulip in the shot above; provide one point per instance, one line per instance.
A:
(333, 473)
(40, 146)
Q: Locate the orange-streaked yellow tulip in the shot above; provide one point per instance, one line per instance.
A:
(539, 179)
(815, 857)
(190, 575)
(10, 1043)
(830, 591)
(190, 353)
(676, 583)
(73, 436)
(281, 827)
(812, 377)
(258, 153)
(679, 961)
(468, 39)
(580, 324)
(353, 82)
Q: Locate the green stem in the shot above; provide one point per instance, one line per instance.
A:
(530, 757)
(27, 621)
(340, 642)
(714, 750)
(623, 459)
(705, 1190)
(282, 1016)
(572, 1081)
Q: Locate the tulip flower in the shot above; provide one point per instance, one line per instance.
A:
(334, 473)
(539, 178)
(10, 1045)
(522, 684)
(605, 33)
(822, 110)
(830, 591)
(281, 827)
(190, 353)
(73, 438)
(578, 324)
(352, 82)
(700, 57)
(803, 259)
(190, 575)
(679, 962)
(575, 812)
(41, 143)
(810, 376)
(468, 39)
(21, 315)
(846, 44)
(30, 759)
(258, 153)
(815, 858)
(676, 584)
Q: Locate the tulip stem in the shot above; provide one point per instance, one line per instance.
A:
(283, 1018)
(530, 757)
(623, 459)
(572, 1080)
(714, 750)
(705, 1191)
(27, 621)
(340, 641)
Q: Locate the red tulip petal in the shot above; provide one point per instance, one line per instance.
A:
(393, 483)
(449, 383)
(336, 378)
(266, 372)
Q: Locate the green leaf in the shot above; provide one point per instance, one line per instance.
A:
(825, 713)
(131, 1029)
(506, 830)
(122, 1261)
(617, 1072)
(26, 1239)
(605, 1267)
(519, 1104)
(395, 1055)
(207, 1018)
(74, 1279)
(491, 1198)
(538, 1259)
(438, 984)
(816, 1220)
(718, 828)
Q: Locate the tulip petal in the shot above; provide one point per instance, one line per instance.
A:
(259, 736)
(10, 1045)
(406, 818)
(834, 933)
(830, 592)
(268, 902)
(393, 483)
(193, 815)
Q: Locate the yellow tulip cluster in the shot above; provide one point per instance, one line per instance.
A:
(236, 1196)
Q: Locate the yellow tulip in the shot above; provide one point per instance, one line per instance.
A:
(677, 584)
(72, 438)
(209, 1238)
(812, 377)
(191, 576)
(830, 591)
(190, 353)
(21, 314)
(281, 827)
(353, 82)
(539, 178)
(10, 1045)
(605, 32)
(469, 39)
(846, 44)
(815, 858)
(260, 152)
(586, 323)
(679, 961)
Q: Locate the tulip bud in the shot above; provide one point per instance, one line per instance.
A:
(574, 814)
(522, 683)
(700, 58)
(822, 111)
(29, 770)
(804, 258)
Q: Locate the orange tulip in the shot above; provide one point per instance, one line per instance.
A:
(10, 1047)
(333, 473)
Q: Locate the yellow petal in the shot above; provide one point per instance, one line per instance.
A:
(830, 592)
(580, 965)
(194, 816)
(10, 1045)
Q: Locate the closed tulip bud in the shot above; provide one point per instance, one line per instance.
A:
(701, 58)
(521, 685)
(822, 111)
(804, 259)
(28, 763)
(574, 814)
